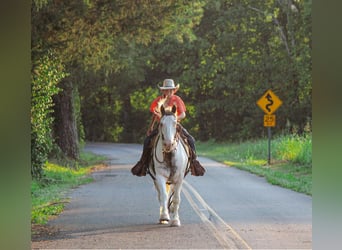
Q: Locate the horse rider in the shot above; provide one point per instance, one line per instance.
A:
(169, 99)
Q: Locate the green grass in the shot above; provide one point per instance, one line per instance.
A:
(48, 196)
(291, 159)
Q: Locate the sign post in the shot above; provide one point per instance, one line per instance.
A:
(269, 103)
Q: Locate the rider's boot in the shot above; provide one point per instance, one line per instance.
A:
(196, 168)
(140, 168)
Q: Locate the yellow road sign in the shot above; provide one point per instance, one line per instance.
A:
(269, 102)
(269, 120)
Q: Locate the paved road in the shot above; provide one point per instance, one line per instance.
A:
(225, 209)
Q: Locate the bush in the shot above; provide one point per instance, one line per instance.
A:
(47, 72)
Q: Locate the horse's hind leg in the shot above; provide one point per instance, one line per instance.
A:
(163, 201)
(174, 205)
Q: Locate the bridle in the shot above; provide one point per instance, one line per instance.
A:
(174, 141)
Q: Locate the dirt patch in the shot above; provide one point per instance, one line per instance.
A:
(99, 167)
(43, 232)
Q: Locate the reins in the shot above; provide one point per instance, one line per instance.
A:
(155, 150)
(174, 143)
(177, 136)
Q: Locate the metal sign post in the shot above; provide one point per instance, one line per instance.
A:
(269, 146)
(269, 103)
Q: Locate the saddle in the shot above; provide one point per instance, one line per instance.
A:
(193, 165)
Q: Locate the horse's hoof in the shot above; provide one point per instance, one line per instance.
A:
(175, 223)
(164, 221)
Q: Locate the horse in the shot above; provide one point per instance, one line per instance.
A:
(169, 167)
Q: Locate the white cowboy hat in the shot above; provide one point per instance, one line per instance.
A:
(169, 84)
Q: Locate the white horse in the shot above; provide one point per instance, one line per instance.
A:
(170, 165)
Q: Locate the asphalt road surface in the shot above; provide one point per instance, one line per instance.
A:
(224, 209)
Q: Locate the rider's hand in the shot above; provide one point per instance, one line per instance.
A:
(149, 131)
(157, 113)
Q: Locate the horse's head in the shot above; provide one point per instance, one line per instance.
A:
(168, 129)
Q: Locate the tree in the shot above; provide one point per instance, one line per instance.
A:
(89, 36)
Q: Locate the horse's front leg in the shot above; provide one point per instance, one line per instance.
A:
(174, 206)
(160, 184)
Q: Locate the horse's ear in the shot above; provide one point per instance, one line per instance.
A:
(162, 109)
(174, 108)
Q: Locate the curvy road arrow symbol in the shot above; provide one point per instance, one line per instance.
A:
(269, 98)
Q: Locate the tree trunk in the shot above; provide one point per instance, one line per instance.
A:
(65, 127)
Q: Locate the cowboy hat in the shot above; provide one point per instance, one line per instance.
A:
(168, 84)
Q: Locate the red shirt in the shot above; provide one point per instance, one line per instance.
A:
(174, 100)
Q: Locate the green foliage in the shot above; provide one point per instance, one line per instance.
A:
(140, 101)
(103, 34)
(225, 54)
(101, 109)
(47, 72)
(107, 39)
(241, 50)
(42, 214)
(39, 4)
